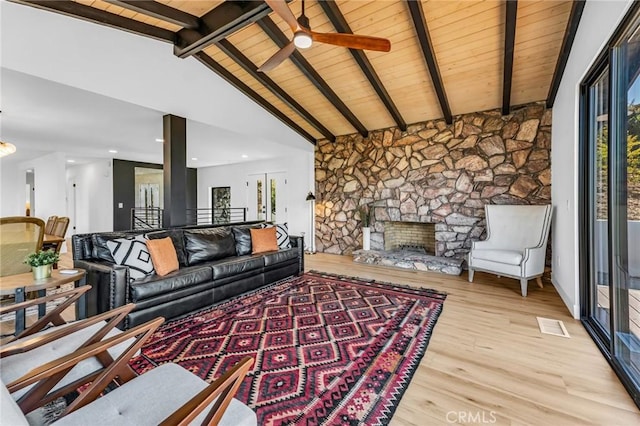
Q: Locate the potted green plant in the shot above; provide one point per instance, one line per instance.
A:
(365, 219)
(41, 263)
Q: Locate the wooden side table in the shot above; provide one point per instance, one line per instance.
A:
(19, 284)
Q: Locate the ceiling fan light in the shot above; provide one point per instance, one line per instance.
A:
(302, 40)
(6, 148)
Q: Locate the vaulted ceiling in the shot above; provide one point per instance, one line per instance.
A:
(446, 57)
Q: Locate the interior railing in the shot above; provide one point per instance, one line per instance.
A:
(216, 216)
(151, 218)
(146, 217)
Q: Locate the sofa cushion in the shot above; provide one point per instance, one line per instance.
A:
(276, 257)
(132, 253)
(216, 243)
(510, 257)
(86, 247)
(234, 266)
(263, 240)
(154, 285)
(163, 255)
(242, 236)
(282, 234)
(177, 238)
(100, 249)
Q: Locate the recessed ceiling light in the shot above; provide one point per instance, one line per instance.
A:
(159, 140)
(194, 158)
(113, 151)
(244, 156)
(71, 161)
(29, 170)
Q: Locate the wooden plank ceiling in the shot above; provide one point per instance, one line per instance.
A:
(446, 58)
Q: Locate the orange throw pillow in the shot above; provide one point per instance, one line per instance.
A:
(263, 240)
(163, 255)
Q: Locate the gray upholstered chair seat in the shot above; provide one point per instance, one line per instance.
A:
(151, 398)
(15, 366)
(10, 413)
(510, 257)
(145, 400)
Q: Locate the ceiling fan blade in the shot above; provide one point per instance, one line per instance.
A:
(281, 8)
(353, 41)
(278, 57)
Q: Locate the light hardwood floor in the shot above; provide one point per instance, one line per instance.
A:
(488, 363)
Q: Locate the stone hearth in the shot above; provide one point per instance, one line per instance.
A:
(409, 260)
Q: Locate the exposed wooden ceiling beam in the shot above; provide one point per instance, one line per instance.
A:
(569, 36)
(160, 11)
(509, 43)
(246, 64)
(91, 14)
(272, 30)
(340, 23)
(420, 24)
(238, 84)
(220, 22)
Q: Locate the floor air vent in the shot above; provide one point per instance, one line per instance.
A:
(552, 326)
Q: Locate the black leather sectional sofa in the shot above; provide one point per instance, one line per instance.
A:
(214, 266)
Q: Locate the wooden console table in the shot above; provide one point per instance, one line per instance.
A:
(19, 284)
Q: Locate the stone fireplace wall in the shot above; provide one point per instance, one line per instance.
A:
(432, 172)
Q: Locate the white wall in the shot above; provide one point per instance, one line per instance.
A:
(300, 178)
(12, 188)
(93, 197)
(598, 22)
(53, 184)
(50, 185)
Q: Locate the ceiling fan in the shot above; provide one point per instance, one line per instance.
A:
(303, 37)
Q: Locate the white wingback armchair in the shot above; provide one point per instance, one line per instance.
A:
(516, 243)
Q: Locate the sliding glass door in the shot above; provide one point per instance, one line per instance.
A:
(610, 192)
(624, 153)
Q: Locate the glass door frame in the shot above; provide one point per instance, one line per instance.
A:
(585, 201)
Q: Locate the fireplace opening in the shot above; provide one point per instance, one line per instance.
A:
(410, 236)
(413, 248)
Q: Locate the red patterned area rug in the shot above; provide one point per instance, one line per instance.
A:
(327, 349)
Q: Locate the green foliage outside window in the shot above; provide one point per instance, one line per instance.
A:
(633, 145)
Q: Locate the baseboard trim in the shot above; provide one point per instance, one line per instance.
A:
(574, 308)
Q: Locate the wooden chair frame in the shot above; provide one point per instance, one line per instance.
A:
(47, 375)
(224, 388)
(59, 229)
(52, 317)
(51, 221)
(21, 219)
(40, 394)
(26, 219)
(60, 226)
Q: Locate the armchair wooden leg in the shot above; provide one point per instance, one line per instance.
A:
(539, 281)
(523, 286)
(470, 275)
